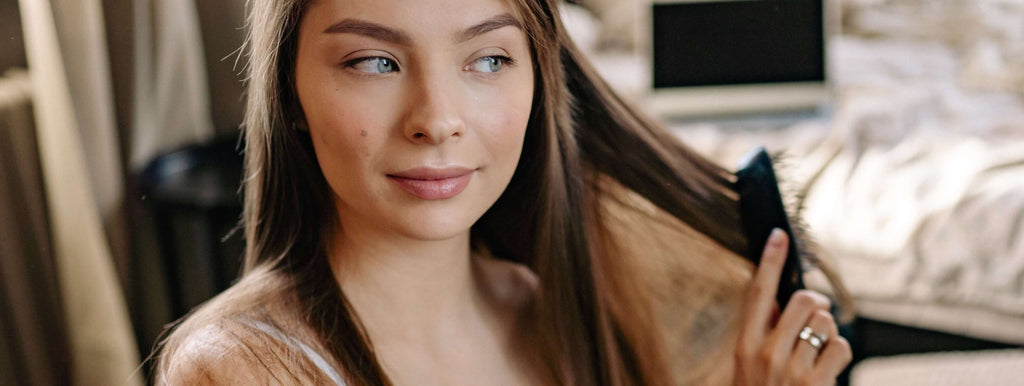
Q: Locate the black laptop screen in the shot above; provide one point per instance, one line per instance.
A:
(738, 42)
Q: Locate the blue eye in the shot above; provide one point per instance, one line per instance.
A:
(489, 64)
(373, 65)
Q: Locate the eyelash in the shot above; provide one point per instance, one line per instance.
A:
(505, 60)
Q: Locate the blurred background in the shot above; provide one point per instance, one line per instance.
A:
(900, 125)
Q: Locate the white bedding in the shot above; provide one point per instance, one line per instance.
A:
(915, 187)
(923, 204)
(929, 223)
(915, 183)
(989, 368)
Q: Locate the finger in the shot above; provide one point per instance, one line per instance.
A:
(761, 297)
(773, 319)
(796, 314)
(832, 361)
(805, 354)
(794, 317)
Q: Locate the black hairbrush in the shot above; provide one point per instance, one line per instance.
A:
(761, 210)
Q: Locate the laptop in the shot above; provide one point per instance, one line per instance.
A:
(737, 57)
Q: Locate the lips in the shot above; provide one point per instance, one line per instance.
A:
(433, 183)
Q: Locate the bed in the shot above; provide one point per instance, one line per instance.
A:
(913, 182)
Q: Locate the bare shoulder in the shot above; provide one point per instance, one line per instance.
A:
(209, 355)
(234, 352)
(227, 342)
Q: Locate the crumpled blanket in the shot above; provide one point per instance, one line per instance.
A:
(936, 220)
(914, 187)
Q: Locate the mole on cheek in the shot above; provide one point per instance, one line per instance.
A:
(363, 133)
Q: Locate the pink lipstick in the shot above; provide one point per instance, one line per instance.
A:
(433, 183)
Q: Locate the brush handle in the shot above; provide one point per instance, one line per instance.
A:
(761, 210)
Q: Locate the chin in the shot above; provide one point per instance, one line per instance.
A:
(438, 225)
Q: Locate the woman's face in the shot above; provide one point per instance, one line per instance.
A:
(417, 109)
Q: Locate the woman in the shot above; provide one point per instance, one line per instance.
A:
(444, 192)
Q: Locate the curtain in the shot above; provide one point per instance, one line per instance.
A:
(169, 107)
(33, 340)
(63, 313)
(171, 96)
(77, 145)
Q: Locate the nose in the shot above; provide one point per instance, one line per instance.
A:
(434, 110)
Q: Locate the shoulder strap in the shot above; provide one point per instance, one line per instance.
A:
(313, 356)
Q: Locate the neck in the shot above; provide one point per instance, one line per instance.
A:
(404, 289)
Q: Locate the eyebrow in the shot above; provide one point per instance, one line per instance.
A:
(383, 33)
(496, 22)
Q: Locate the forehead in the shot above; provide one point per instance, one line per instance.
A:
(423, 20)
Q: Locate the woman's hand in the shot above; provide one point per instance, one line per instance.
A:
(777, 349)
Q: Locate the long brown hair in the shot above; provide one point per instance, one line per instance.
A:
(635, 237)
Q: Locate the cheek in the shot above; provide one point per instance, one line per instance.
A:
(344, 120)
(344, 126)
(346, 150)
(503, 123)
(501, 133)
(336, 139)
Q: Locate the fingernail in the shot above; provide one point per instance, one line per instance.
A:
(776, 237)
